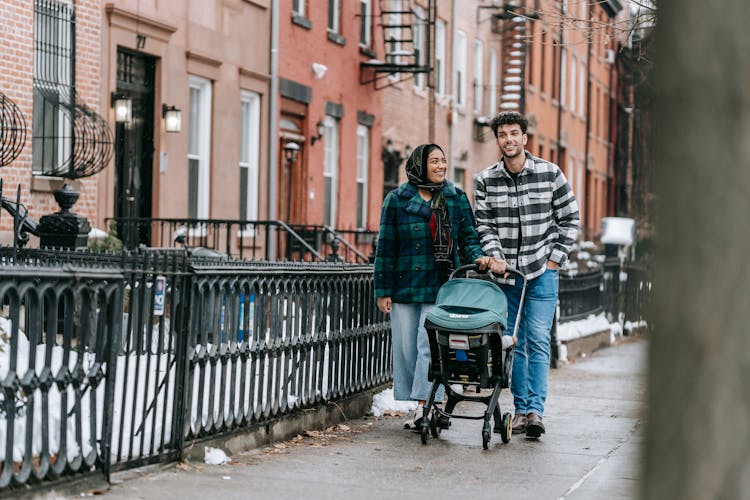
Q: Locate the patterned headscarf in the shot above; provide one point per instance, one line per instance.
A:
(440, 221)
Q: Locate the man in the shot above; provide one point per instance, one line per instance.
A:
(527, 218)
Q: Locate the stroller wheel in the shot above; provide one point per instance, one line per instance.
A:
(434, 427)
(425, 434)
(506, 429)
(486, 434)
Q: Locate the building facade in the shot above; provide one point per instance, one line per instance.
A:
(333, 118)
(50, 82)
(209, 61)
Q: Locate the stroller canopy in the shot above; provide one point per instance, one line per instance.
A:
(467, 303)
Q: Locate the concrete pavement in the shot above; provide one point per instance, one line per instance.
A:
(591, 450)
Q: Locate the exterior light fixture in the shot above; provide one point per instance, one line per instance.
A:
(123, 107)
(172, 118)
(320, 128)
(291, 149)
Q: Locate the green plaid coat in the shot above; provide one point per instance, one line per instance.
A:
(404, 264)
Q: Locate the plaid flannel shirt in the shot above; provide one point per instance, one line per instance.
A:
(540, 202)
(404, 261)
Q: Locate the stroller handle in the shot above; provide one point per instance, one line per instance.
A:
(473, 267)
(512, 270)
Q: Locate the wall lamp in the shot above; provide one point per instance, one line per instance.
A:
(123, 107)
(320, 128)
(172, 118)
(291, 149)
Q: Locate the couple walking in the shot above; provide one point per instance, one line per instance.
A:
(525, 216)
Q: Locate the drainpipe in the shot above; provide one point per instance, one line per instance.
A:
(451, 126)
(272, 128)
(583, 201)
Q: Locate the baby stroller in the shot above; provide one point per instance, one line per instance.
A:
(467, 347)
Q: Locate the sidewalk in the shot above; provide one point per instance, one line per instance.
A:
(591, 450)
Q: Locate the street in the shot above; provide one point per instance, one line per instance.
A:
(591, 450)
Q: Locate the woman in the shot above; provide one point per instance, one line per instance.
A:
(426, 231)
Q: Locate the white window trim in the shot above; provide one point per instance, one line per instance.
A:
(420, 43)
(573, 76)
(331, 165)
(336, 28)
(363, 170)
(440, 56)
(300, 8)
(368, 24)
(252, 162)
(204, 145)
(493, 81)
(563, 76)
(459, 71)
(478, 77)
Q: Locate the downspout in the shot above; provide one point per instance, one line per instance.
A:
(584, 201)
(273, 107)
(611, 136)
(451, 126)
(559, 86)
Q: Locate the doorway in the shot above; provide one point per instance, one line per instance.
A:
(134, 148)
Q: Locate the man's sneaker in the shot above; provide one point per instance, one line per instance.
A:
(415, 419)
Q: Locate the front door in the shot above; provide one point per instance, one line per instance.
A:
(134, 148)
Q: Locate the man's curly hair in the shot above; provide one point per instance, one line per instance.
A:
(509, 118)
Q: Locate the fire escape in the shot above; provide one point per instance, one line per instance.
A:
(512, 23)
(408, 38)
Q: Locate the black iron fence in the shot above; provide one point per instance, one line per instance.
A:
(257, 240)
(110, 361)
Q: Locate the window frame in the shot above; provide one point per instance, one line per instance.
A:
(250, 155)
(365, 24)
(440, 56)
(204, 86)
(330, 169)
(493, 81)
(478, 74)
(334, 17)
(459, 70)
(363, 174)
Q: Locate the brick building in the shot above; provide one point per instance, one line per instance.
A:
(329, 114)
(50, 95)
(486, 60)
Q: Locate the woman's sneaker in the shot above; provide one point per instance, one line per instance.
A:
(415, 419)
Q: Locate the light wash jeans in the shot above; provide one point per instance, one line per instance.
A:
(411, 353)
(531, 358)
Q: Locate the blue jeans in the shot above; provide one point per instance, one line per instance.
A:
(531, 357)
(411, 353)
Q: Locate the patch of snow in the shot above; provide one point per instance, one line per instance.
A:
(383, 403)
(214, 456)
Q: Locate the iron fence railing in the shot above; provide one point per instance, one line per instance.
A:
(246, 239)
(136, 353)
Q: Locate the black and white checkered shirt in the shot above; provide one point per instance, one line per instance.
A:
(540, 203)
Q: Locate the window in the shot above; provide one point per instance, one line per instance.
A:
(459, 87)
(334, 13)
(298, 8)
(419, 44)
(493, 81)
(363, 161)
(199, 147)
(365, 23)
(543, 62)
(249, 154)
(582, 89)
(563, 75)
(530, 59)
(573, 76)
(330, 170)
(54, 58)
(440, 56)
(478, 76)
(394, 36)
(459, 177)
(555, 70)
